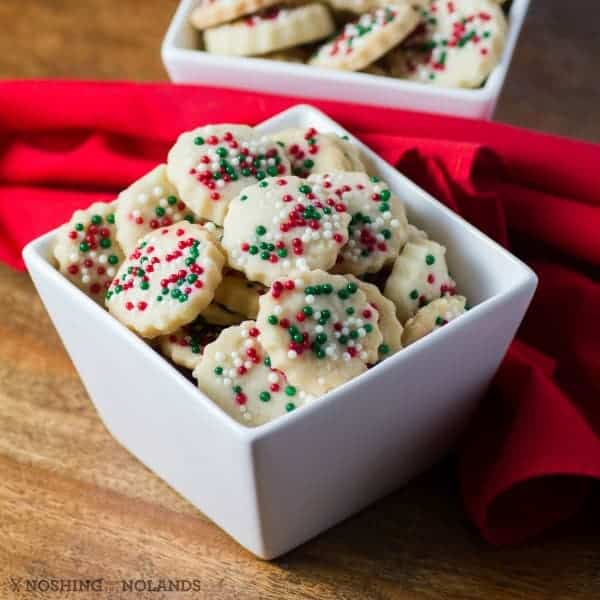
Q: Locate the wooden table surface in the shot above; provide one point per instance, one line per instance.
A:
(74, 504)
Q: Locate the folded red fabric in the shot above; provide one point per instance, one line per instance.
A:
(533, 449)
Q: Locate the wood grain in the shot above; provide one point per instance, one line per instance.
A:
(74, 504)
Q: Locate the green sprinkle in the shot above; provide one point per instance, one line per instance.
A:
(385, 195)
(272, 171)
(267, 361)
(290, 390)
(263, 184)
(439, 321)
(110, 219)
(84, 246)
(264, 396)
(265, 254)
(414, 294)
(282, 253)
(343, 339)
(222, 151)
(368, 327)
(343, 294)
(260, 175)
(350, 310)
(105, 243)
(308, 311)
(308, 163)
(430, 259)
(191, 277)
(113, 260)
(189, 218)
(321, 338)
(305, 189)
(261, 230)
(253, 250)
(243, 198)
(352, 287)
(327, 288)
(386, 233)
(145, 285)
(375, 179)
(198, 141)
(290, 406)
(383, 349)
(237, 389)
(79, 227)
(96, 220)
(273, 320)
(175, 293)
(159, 211)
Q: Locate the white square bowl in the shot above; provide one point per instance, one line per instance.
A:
(186, 64)
(277, 485)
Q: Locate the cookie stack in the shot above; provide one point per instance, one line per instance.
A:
(273, 268)
(453, 43)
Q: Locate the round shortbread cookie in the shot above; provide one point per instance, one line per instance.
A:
(239, 295)
(378, 226)
(210, 165)
(320, 329)
(209, 13)
(360, 7)
(185, 346)
(149, 203)
(312, 152)
(457, 44)
(274, 29)
(87, 251)
(167, 281)
(362, 42)
(420, 274)
(282, 226)
(216, 314)
(236, 374)
(388, 323)
(433, 316)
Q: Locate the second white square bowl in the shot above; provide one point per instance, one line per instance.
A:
(186, 64)
(278, 485)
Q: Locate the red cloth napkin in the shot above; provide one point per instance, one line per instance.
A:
(533, 450)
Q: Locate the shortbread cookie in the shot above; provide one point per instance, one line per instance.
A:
(168, 280)
(284, 225)
(209, 13)
(420, 274)
(236, 374)
(433, 316)
(239, 295)
(87, 251)
(364, 41)
(210, 165)
(274, 29)
(149, 203)
(320, 329)
(312, 152)
(388, 323)
(360, 7)
(415, 234)
(185, 346)
(378, 226)
(457, 45)
(217, 314)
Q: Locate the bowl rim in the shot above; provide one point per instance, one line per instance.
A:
(37, 255)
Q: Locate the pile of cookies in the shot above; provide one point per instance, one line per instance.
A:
(271, 269)
(453, 43)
